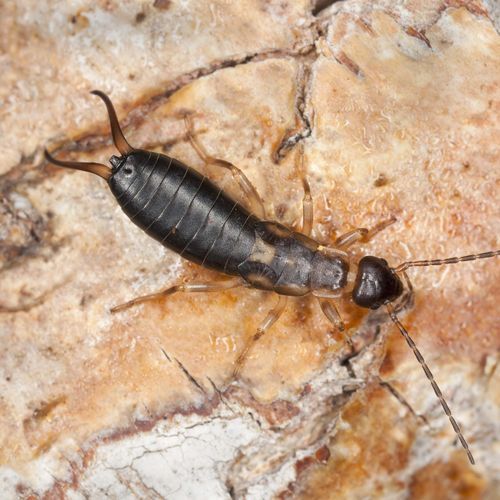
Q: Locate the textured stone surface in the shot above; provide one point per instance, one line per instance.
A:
(397, 105)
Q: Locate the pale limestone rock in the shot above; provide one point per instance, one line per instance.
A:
(397, 106)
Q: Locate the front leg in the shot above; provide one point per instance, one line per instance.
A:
(361, 234)
(332, 313)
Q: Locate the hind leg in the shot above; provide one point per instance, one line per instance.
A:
(215, 286)
(246, 186)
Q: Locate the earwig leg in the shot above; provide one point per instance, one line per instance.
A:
(394, 392)
(331, 311)
(272, 316)
(346, 240)
(246, 186)
(307, 209)
(307, 201)
(188, 287)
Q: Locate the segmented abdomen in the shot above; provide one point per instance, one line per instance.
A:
(184, 211)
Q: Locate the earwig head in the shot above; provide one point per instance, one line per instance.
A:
(376, 283)
(118, 138)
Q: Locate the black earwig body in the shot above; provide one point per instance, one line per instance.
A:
(183, 210)
(189, 214)
(186, 212)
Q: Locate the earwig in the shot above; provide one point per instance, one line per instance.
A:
(189, 214)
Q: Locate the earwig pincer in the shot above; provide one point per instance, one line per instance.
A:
(189, 214)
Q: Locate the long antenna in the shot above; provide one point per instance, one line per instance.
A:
(439, 262)
(430, 376)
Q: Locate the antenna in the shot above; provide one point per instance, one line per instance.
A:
(429, 374)
(439, 262)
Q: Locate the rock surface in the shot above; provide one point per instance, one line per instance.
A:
(397, 107)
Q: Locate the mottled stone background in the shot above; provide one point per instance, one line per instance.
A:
(397, 105)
